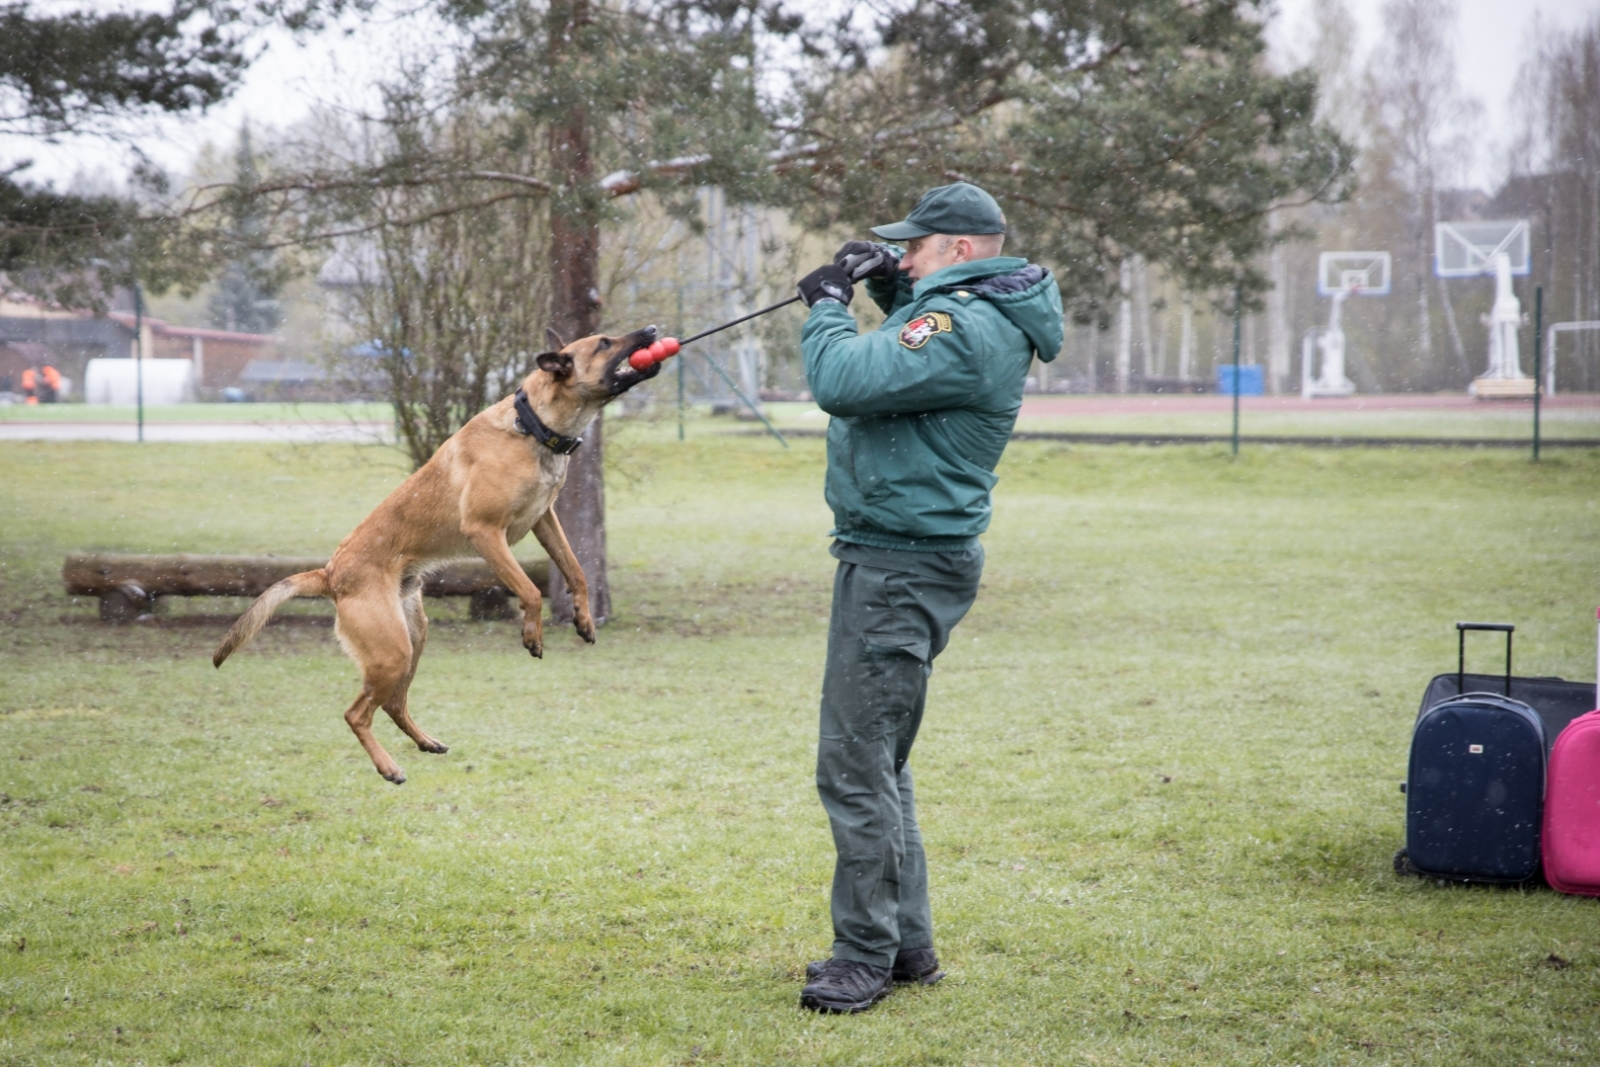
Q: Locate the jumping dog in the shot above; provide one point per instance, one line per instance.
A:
(485, 488)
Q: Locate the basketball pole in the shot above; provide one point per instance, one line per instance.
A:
(1538, 359)
(1237, 296)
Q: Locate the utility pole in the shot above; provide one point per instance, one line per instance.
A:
(1538, 363)
(1237, 301)
(138, 355)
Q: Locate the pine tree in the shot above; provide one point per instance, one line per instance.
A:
(84, 72)
(246, 296)
(1107, 129)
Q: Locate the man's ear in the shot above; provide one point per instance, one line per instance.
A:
(553, 339)
(556, 364)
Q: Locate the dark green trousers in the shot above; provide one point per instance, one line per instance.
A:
(892, 614)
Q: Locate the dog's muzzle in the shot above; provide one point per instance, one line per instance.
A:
(620, 374)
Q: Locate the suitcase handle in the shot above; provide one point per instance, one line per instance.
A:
(1461, 650)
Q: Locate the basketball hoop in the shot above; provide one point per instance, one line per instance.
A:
(1366, 273)
(1340, 275)
(1472, 249)
(1497, 248)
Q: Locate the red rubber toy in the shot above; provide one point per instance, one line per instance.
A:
(659, 352)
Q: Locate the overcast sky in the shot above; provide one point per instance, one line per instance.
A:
(340, 65)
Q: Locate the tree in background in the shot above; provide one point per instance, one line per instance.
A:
(609, 90)
(575, 104)
(1422, 131)
(1333, 57)
(1422, 142)
(246, 295)
(84, 73)
(1109, 130)
(1555, 179)
(79, 72)
(450, 298)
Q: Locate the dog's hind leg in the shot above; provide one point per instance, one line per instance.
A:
(396, 705)
(373, 630)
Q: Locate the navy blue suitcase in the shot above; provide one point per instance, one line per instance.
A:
(1557, 700)
(1475, 787)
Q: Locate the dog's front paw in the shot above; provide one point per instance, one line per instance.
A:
(533, 639)
(585, 628)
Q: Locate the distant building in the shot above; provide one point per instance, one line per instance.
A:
(33, 333)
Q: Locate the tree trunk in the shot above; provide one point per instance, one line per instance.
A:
(1278, 341)
(1125, 325)
(1141, 288)
(1186, 340)
(575, 312)
(1462, 364)
(1424, 315)
(581, 508)
(1456, 347)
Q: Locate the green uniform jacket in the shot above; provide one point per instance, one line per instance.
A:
(923, 407)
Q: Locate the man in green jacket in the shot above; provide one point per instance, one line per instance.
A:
(922, 409)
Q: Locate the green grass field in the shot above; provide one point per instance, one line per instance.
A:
(164, 413)
(1498, 420)
(1485, 421)
(1158, 776)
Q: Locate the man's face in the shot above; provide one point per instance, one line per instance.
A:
(924, 255)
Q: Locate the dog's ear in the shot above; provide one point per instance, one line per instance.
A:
(553, 339)
(556, 364)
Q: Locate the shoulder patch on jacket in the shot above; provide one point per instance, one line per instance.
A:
(920, 330)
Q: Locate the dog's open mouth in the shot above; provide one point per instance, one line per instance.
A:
(621, 375)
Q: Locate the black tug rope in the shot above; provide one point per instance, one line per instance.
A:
(741, 318)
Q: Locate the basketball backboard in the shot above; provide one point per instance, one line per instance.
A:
(1363, 273)
(1469, 249)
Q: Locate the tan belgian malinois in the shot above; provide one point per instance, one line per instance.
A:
(482, 491)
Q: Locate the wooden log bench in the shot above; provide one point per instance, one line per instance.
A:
(129, 585)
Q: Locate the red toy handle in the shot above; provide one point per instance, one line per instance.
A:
(658, 352)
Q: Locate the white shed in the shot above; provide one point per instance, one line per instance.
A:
(113, 381)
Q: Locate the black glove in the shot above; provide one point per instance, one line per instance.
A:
(863, 260)
(827, 283)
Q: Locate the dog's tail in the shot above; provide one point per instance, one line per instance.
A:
(306, 583)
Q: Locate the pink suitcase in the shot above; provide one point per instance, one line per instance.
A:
(1571, 839)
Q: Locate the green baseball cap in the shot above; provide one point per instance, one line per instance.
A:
(961, 208)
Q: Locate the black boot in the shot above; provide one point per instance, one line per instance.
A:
(845, 986)
(918, 965)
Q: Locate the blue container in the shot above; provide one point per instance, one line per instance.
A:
(1249, 379)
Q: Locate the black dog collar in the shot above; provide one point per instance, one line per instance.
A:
(529, 425)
